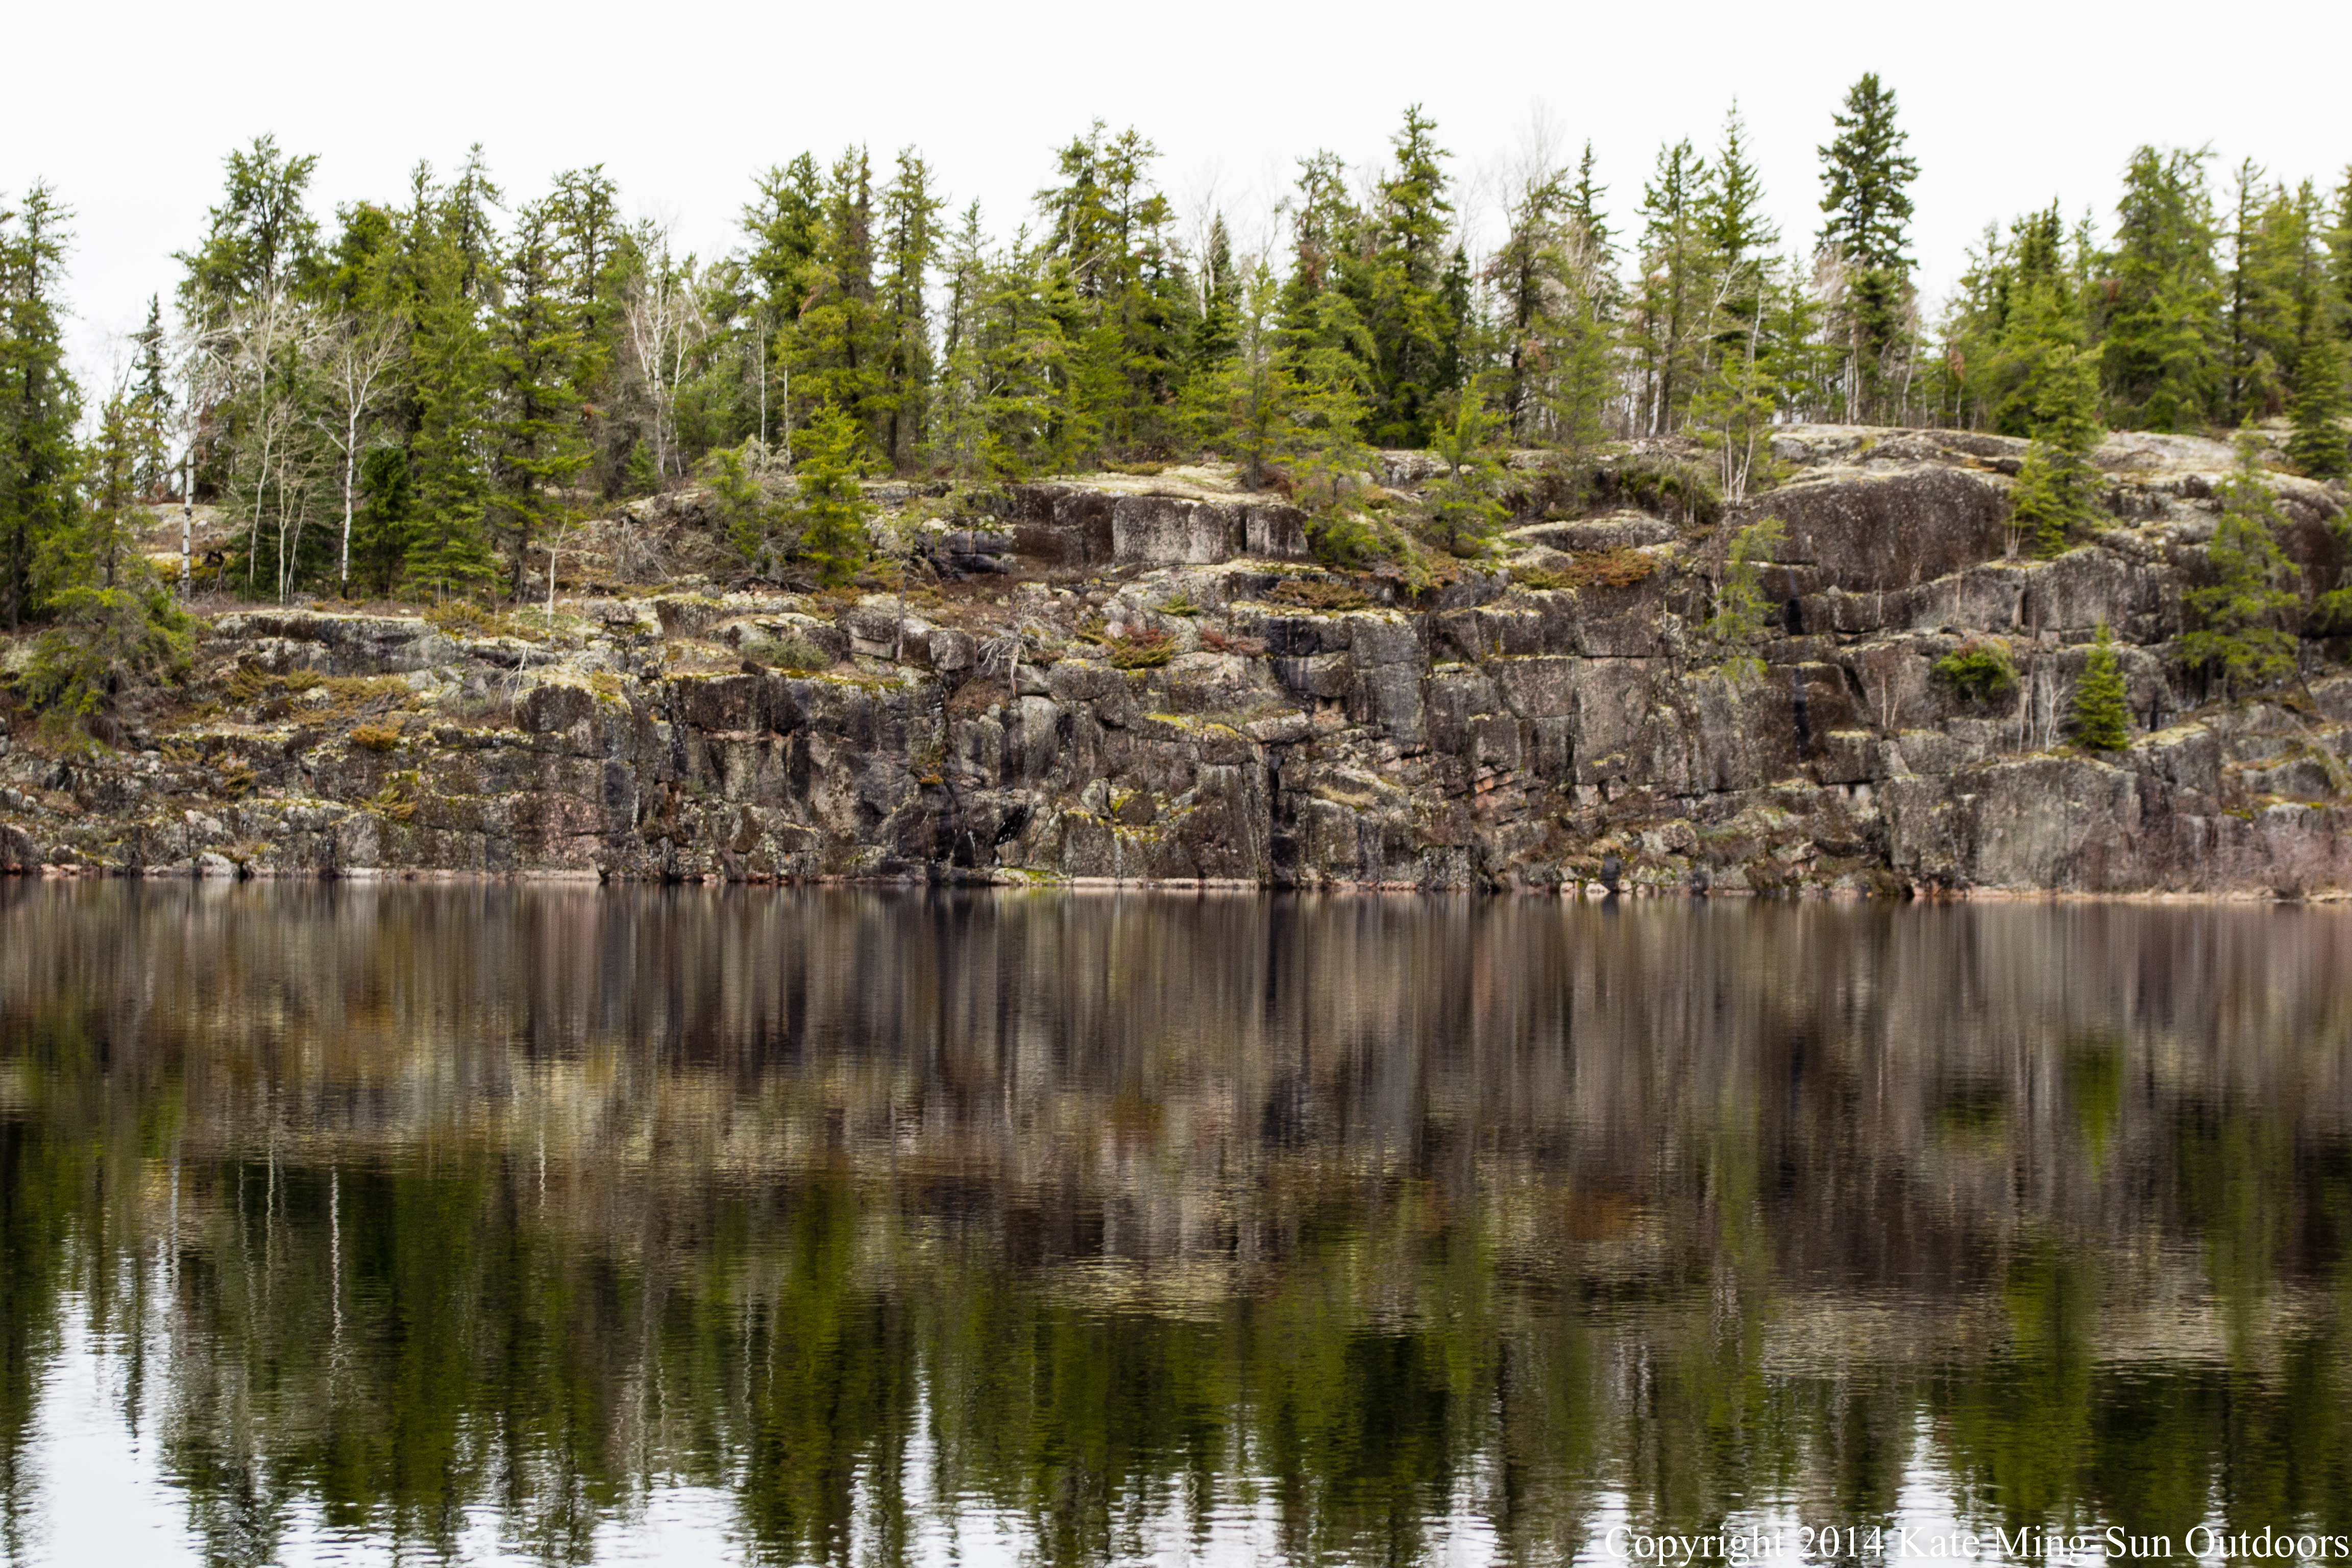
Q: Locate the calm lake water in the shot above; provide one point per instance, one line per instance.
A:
(365, 1225)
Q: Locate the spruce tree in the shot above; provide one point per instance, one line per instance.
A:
(1737, 233)
(838, 341)
(1669, 310)
(445, 549)
(1129, 312)
(534, 361)
(380, 530)
(1216, 333)
(1530, 275)
(151, 406)
(596, 261)
(1248, 402)
(832, 509)
(1397, 274)
(1460, 511)
(2157, 350)
(261, 239)
(1865, 181)
(910, 240)
(2318, 446)
(2238, 617)
(1740, 605)
(38, 402)
(2271, 292)
(2057, 487)
(2102, 716)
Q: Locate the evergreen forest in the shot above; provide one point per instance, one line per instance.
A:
(416, 397)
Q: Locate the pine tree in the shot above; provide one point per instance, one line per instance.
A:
(1669, 310)
(2318, 446)
(260, 238)
(1460, 511)
(1587, 381)
(380, 530)
(2240, 615)
(2271, 292)
(1217, 332)
(450, 351)
(1865, 179)
(534, 363)
(1530, 275)
(1248, 402)
(115, 624)
(1738, 237)
(838, 341)
(1737, 396)
(2052, 394)
(597, 261)
(1740, 605)
(39, 403)
(909, 246)
(2156, 350)
(2102, 716)
(1128, 310)
(152, 406)
(833, 509)
(1395, 270)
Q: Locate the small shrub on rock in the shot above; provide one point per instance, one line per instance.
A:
(1978, 671)
(1142, 650)
(1622, 567)
(791, 652)
(376, 737)
(1218, 641)
(1311, 595)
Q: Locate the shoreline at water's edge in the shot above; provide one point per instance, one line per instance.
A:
(1587, 893)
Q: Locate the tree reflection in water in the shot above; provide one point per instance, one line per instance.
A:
(1108, 1215)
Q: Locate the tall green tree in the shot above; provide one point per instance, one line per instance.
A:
(1281, 401)
(1674, 302)
(910, 245)
(537, 444)
(2237, 618)
(448, 550)
(1531, 276)
(39, 402)
(1408, 283)
(260, 238)
(1865, 190)
(839, 339)
(1130, 312)
(2163, 307)
(2274, 288)
(1003, 404)
(153, 403)
(596, 260)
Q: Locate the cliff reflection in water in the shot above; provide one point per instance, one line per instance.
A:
(1363, 1222)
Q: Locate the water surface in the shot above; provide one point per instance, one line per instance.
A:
(397, 1223)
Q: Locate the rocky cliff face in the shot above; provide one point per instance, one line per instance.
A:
(1149, 680)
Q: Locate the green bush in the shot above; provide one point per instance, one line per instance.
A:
(1980, 669)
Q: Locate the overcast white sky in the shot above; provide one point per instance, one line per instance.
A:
(128, 108)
